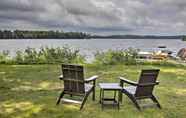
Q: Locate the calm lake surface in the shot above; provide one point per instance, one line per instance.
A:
(88, 47)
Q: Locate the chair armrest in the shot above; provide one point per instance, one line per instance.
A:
(149, 84)
(123, 80)
(93, 78)
(157, 82)
(61, 77)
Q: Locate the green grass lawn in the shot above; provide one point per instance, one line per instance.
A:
(30, 91)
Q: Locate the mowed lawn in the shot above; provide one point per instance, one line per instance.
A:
(30, 91)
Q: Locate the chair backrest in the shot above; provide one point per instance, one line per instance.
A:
(73, 77)
(146, 82)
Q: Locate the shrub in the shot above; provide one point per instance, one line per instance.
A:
(19, 57)
(60, 55)
(4, 57)
(111, 57)
(30, 56)
(43, 56)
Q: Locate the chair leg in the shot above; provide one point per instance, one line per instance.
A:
(156, 101)
(93, 94)
(120, 93)
(135, 102)
(84, 100)
(120, 96)
(61, 96)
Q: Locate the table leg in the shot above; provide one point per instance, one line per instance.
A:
(118, 100)
(100, 96)
(102, 99)
(115, 95)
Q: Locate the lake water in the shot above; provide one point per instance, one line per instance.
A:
(88, 47)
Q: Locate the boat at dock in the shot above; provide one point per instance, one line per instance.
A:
(162, 46)
(158, 55)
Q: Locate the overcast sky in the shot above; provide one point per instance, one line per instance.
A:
(165, 17)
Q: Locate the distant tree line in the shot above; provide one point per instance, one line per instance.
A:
(137, 37)
(23, 34)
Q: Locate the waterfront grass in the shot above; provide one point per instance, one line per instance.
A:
(30, 91)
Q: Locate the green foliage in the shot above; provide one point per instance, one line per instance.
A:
(4, 57)
(184, 38)
(43, 56)
(46, 55)
(19, 57)
(60, 55)
(129, 57)
(111, 57)
(30, 56)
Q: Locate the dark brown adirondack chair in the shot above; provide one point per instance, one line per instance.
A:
(75, 85)
(143, 89)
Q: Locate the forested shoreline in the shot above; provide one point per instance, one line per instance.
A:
(34, 34)
(25, 34)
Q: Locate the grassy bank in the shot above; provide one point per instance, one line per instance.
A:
(30, 91)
